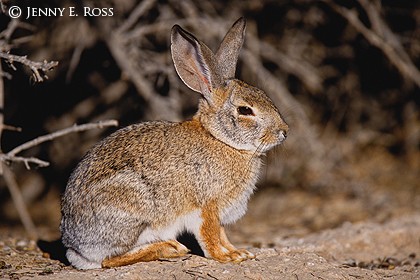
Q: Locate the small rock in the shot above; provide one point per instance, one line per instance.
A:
(21, 245)
(267, 252)
(32, 245)
(350, 263)
(4, 265)
(6, 248)
(47, 271)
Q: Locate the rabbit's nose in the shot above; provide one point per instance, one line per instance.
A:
(284, 130)
(282, 135)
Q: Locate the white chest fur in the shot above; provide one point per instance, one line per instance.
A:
(237, 209)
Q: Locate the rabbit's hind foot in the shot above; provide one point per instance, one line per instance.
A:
(151, 252)
(81, 262)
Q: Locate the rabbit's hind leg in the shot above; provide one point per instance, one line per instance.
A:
(151, 252)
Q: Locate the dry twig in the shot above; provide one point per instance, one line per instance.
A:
(140, 10)
(62, 132)
(25, 160)
(18, 201)
(380, 36)
(160, 107)
(2, 7)
(38, 68)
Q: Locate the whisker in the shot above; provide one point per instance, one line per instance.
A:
(256, 154)
(281, 149)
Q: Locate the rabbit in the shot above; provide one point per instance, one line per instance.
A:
(134, 192)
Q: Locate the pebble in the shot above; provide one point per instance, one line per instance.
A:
(21, 244)
(6, 248)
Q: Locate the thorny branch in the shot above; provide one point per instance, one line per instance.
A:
(38, 68)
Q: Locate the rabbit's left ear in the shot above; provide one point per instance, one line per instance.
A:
(194, 62)
(228, 52)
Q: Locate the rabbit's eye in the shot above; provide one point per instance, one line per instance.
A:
(245, 110)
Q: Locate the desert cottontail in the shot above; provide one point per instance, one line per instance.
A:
(135, 191)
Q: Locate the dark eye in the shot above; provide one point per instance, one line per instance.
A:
(245, 110)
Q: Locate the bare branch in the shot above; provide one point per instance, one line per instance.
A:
(2, 7)
(381, 37)
(18, 201)
(305, 71)
(38, 68)
(11, 28)
(77, 53)
(6, 75)
(140, 10)
(10, 128)
(26, 161)
(1, 113)
(51, 136)
(156, 102)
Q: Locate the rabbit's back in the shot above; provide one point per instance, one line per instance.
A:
(162, 155)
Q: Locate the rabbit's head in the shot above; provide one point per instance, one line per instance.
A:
(234, 112)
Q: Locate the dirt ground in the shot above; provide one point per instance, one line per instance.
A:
(294, 234)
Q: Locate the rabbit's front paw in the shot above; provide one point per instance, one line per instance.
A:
(246, 253)
(236, 256)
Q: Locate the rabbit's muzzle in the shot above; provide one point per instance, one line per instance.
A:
(282, 135)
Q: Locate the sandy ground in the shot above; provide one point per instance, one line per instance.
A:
(352, 251)
(294, 236)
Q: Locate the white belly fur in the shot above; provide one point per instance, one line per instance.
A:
(190, 222)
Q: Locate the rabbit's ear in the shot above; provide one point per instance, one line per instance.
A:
(228, 52)
(194, 62)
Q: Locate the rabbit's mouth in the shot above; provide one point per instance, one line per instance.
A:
(270, 140)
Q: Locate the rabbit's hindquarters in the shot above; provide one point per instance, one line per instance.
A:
(159, 242)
